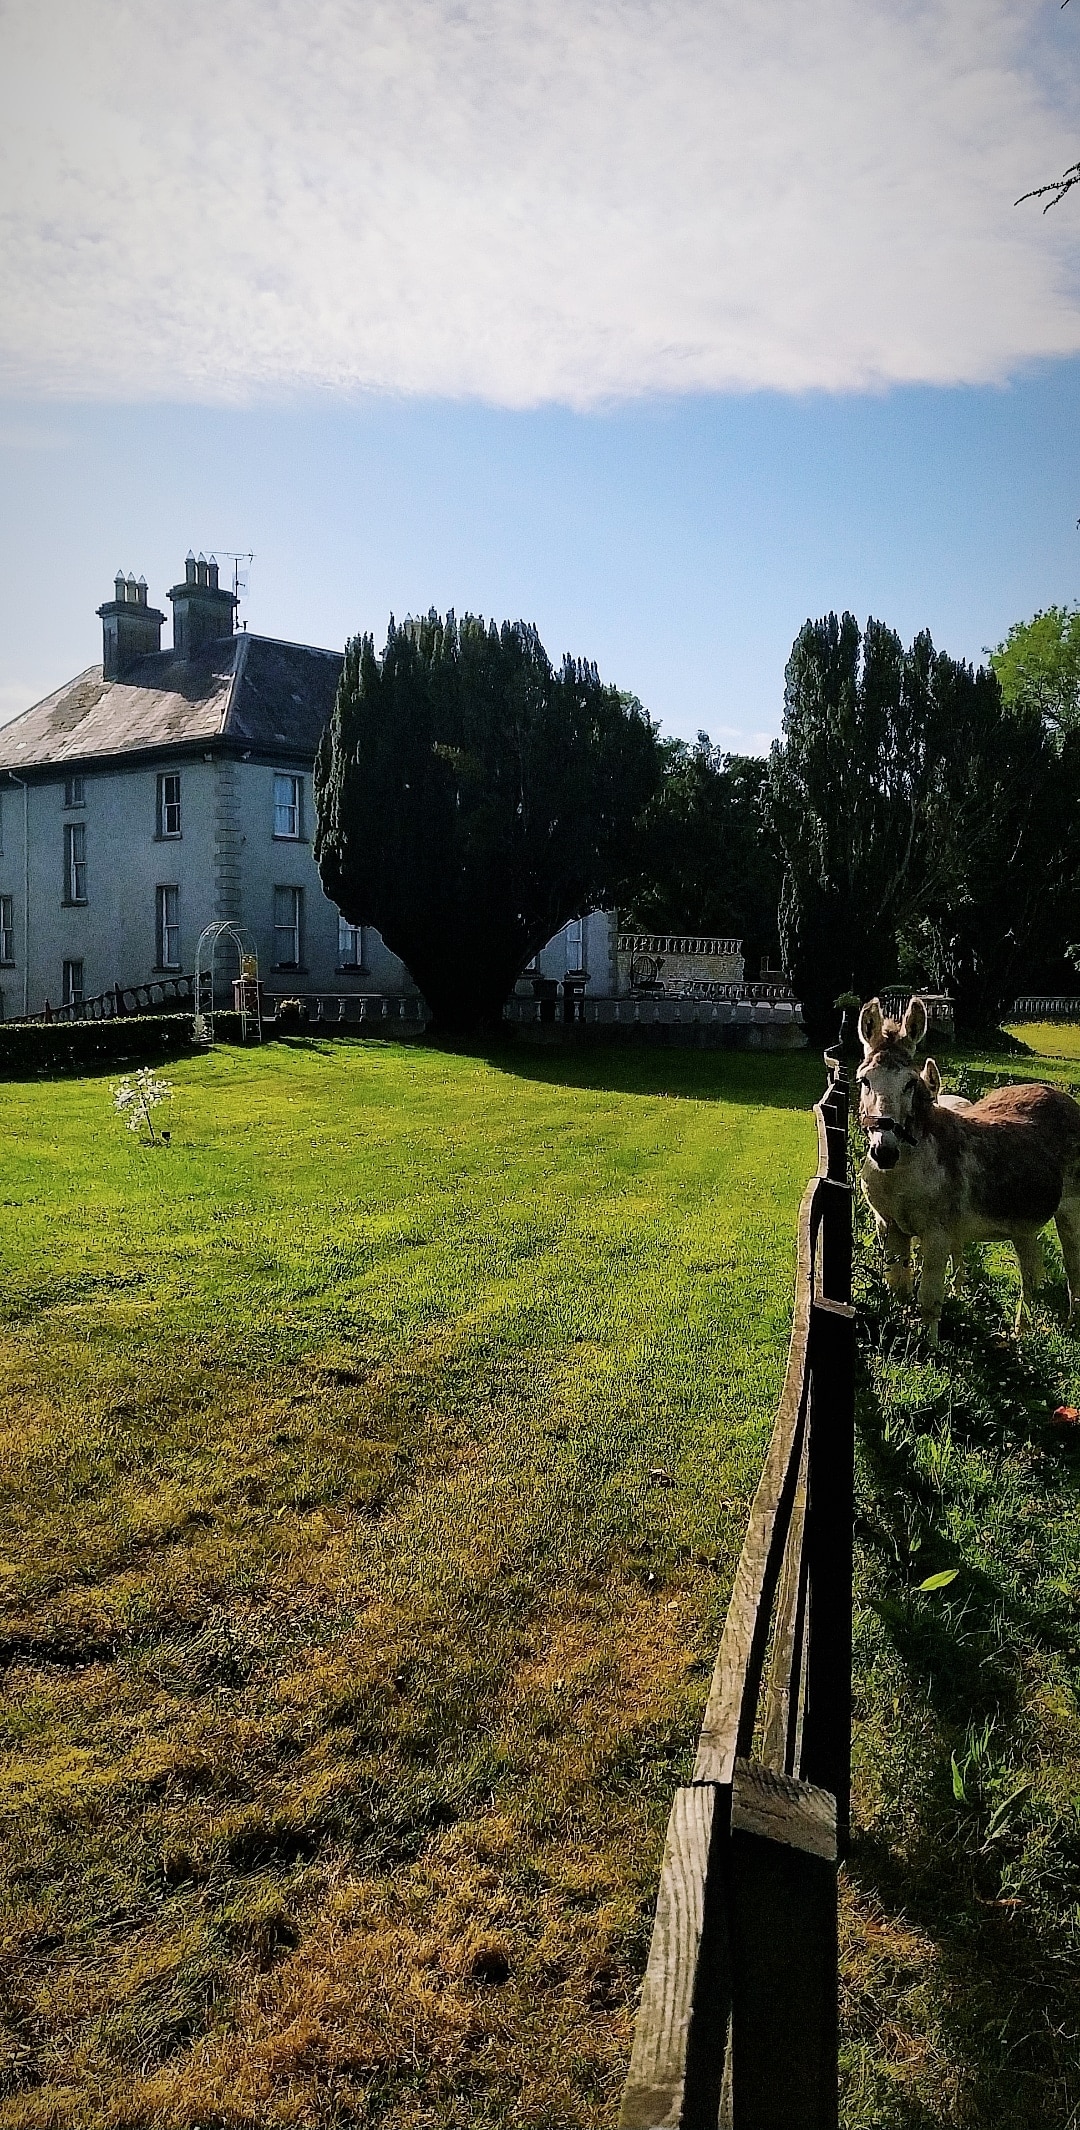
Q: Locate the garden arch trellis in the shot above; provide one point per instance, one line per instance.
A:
(243, 945)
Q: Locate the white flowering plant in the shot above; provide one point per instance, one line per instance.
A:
(136, 1099)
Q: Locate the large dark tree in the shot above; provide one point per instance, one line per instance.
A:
(471, 799)
(924, 824)
(705, 862)
(1007, 811)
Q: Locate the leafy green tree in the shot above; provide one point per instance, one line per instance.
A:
(705, 862)
(925, 826)
(1038, 666)
(471, 800)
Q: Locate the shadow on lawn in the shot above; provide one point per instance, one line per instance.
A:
(765, 1079)
(970, 1831)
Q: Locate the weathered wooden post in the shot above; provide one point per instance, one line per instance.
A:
(738, 2022)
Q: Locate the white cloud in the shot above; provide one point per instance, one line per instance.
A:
(530, 200)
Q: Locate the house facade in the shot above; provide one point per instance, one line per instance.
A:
(164, 790)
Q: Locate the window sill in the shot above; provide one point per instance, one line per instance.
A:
(277, 837)
(176, 837)
(170, 968)
(73, 902)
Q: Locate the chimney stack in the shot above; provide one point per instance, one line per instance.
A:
(130, 628)
(203, 611)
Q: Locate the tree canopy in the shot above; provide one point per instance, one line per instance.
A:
(926, 826)
(704, 862)
(471, 799)
(1038, 666)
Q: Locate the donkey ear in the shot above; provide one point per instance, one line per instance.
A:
(871, 1023)
(932, 1077)
(914, 1024)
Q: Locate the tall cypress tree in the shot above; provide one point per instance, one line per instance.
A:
(924, 825)
(471, 800)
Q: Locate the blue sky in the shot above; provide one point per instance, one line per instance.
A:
(681, 543)
(663, 323)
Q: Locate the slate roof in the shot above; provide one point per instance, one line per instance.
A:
(249, 691)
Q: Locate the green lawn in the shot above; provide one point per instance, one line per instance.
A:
(1050, 1039)
(375, 1458)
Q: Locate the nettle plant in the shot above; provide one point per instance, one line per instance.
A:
(136, 1098)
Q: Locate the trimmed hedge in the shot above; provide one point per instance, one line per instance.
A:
(31, 1047)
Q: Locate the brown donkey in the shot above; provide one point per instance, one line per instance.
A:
(996, 1170)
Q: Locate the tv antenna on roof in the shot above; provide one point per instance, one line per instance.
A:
(239, 576)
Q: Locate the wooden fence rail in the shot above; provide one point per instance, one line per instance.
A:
(737, 2028)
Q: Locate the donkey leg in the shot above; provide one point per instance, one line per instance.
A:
(1067, 1223)
(935, 1264)
(1029, 1251)
(899, 1271)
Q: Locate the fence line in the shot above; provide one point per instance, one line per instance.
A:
(121, 1000)
(737, 2026)
(1059, 1006)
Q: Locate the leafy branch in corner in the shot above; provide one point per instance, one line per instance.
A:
(1057, 187)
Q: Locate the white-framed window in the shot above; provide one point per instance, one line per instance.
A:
(288, 800)
(74, 861)
(7, 928)
(73, 983)
(168, 928)
(350, 945)
(75, 791)
(575, 944)
(288, 917)
(168, 806)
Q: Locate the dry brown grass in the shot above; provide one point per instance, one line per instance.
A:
(352, 1652)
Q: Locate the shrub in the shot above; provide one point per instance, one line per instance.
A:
(30, 1047)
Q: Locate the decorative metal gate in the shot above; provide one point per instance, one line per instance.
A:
(245, 985)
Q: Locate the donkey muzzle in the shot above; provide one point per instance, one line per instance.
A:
(885, 1134)
(884, 1153)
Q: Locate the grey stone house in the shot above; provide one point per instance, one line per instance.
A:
(164, 790)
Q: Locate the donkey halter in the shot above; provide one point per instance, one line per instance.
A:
(889, 1124)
